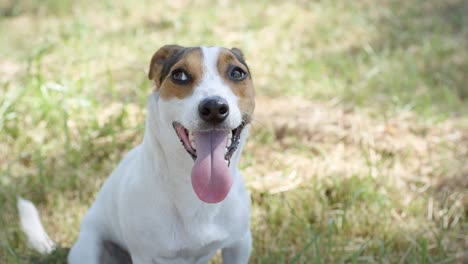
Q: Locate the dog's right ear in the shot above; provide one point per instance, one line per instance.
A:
(158, 60)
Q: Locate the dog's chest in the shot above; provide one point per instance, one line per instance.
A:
(169, 235)
(197, 232)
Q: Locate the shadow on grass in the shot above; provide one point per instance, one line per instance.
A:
(433, 34)
(436, 33)
(11, 8)
(415, 56)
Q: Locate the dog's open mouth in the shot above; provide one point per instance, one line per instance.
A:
(187, 138)
(211, 151)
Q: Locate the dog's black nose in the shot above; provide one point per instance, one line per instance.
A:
(213, 110)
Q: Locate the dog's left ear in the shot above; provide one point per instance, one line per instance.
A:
(158, 60)
(238, 53)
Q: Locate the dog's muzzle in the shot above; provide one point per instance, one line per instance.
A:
(211, 151)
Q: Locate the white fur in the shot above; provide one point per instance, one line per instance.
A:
(148, 206)
(32, 227)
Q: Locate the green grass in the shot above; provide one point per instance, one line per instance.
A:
(357, 154)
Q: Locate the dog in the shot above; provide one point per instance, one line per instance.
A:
(178, 197)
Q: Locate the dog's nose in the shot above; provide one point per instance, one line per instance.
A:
(213, 110)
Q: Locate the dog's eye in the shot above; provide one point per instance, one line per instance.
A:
(237, 74)
(179, 76)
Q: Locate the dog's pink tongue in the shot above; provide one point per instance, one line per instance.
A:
(211, 180)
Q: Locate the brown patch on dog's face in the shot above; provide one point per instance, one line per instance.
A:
(178, 72)
(159, 59)
(191, 65)
(233, 60)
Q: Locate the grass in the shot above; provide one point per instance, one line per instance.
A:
(358, 150)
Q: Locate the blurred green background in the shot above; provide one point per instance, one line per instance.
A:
(358, 151)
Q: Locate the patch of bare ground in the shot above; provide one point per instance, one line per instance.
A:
(298, 141)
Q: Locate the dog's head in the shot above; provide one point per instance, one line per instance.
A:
(207, 96)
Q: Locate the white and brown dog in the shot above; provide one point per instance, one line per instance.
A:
(168, 202)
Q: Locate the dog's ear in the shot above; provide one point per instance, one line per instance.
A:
(238, 53)
(158, 60)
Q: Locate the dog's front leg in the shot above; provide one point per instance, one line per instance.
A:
(238, 252)
(140, 260)
(87, 249)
